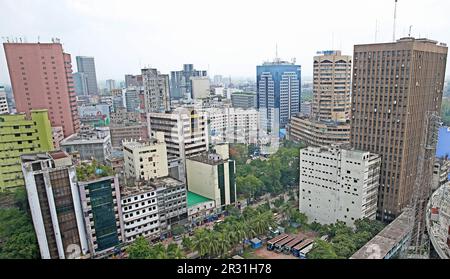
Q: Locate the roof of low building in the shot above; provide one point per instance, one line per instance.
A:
(194, 199)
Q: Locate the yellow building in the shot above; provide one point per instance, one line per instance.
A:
(145, 160)
(20, 135)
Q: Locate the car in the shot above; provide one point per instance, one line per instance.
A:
(177, 238)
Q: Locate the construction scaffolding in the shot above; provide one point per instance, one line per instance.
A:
(419, 243)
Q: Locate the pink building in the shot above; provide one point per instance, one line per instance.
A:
(41, 78)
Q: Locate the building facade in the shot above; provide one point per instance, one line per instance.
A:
(86, 65)
(89, 144)
(100, 200)
(201, 87)
(338, 184)
(243, 100)
(278, 93)
(317, 133)
(133, 81)
(41, 77)
(55, 205)
(20, 135)
(146, 160)
(212, 175)
(156, 91)
(394, 86)
(4, 109)
(80, 83)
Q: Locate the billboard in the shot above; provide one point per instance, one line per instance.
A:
(99, 115)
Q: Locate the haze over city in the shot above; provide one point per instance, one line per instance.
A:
(228, 39)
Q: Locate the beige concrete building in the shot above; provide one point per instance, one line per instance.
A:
(331, 89)
(156, 90)
(338, 184)
(317, 133)
(328, 122)
(394, 86)
(212, 175)
(145, 160)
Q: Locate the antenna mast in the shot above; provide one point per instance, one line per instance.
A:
(395, 19)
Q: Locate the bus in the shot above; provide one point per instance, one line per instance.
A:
(280, 244)
(296, 250)
(287, 249)
(271, 243)
(305, 251)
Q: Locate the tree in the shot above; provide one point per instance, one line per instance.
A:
(187, 243)
(17, 236)
(178, 230)
(140, 249)
(344, 245)
(322, 250)
(248, 185)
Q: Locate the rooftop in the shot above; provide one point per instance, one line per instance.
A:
(93, 171)
(193, 199)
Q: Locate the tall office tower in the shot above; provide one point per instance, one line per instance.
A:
(3, 101)
(86, 65)
(394, 86)
(243, 100)
(156, 91)
(133, 80)
(278, 93)
(331, 89)
(20, 135)
(181, 84)
(80, 83)
(41, 77)
(55, 205)
(110, 84)
(328, 122)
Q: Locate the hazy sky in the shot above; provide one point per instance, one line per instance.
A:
(228, 37)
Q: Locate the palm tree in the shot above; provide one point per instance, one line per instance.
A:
(187, 243)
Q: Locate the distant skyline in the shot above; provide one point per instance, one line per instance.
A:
(229, 38)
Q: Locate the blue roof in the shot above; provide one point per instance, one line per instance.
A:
(443, 145)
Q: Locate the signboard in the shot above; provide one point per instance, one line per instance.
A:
(98, 113)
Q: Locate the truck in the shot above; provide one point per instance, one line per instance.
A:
(271, 243)
(296, 251)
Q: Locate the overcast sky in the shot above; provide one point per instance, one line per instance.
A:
(227, 37)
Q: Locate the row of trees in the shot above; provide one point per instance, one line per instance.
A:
(233, 231)
(273, 175)
(141, 249)
(343, 241)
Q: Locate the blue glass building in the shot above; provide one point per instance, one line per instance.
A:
(278, 90)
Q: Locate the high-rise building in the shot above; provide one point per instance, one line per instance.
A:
(80, 83)
(181, 84)
(100, 201)
(212, 175)
(110, 84)
(20, 135)
(331, 88)
(132, 99)
(338, 184)
(41, 77)
(328, 121)
(243, 100)
(86, 65)
(3, 101)
(55, 205)
(278, 93)
(394, 86)
(156, 91)
(146, 160)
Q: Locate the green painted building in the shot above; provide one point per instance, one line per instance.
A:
(20, 135)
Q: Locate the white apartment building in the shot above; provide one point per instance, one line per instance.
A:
(140, 212)
(145, 160)
(233, 125)
(201, 87)
(185, 131)
(338, 184)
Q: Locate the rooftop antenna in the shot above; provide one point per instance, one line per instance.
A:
(376, 29)
(395, 19)
(409, 33)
